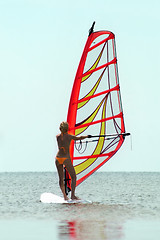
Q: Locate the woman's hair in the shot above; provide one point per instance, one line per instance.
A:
(64, 127)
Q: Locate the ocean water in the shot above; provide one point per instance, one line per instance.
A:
(124, 206)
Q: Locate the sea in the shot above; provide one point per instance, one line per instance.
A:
(124, 206)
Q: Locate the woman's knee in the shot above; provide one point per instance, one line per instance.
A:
(61, 182)
(73, 176)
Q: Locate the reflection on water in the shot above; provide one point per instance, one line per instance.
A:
(89, 230)
(139, 229)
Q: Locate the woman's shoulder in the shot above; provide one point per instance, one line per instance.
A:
(71, 136)
(66, 136)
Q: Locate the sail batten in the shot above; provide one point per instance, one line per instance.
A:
(111, 36)
(93, 156)
(98, 121)
(97, 95)
(98, 68)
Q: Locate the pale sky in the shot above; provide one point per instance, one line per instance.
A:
(40, 48)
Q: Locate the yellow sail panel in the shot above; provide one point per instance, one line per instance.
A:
(81, 104)
(88, 120)
(81, 167)
(93, 67)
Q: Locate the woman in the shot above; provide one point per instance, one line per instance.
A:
(63, 158)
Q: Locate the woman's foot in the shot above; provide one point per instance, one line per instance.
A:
(75, 198)
(66, 198)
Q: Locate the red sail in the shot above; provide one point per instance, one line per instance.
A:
(95, 105)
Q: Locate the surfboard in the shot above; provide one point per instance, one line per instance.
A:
(52, 198)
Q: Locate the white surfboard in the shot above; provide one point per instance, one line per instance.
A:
(52, 198)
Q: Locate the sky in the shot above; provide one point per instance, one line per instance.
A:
(41, 45)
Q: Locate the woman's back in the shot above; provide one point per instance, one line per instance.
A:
(64, 141)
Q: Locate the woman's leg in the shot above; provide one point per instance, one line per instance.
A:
(61, 181)
(72, 173)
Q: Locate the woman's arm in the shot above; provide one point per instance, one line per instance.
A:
(79, 138)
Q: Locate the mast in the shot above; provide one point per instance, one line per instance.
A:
(66, 179)
(92, 28)
(66, 174)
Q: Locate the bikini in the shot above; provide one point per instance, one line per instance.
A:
(61, 160)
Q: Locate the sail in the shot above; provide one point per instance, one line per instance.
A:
(95, 106)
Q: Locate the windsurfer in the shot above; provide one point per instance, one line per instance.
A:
(63, 158)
